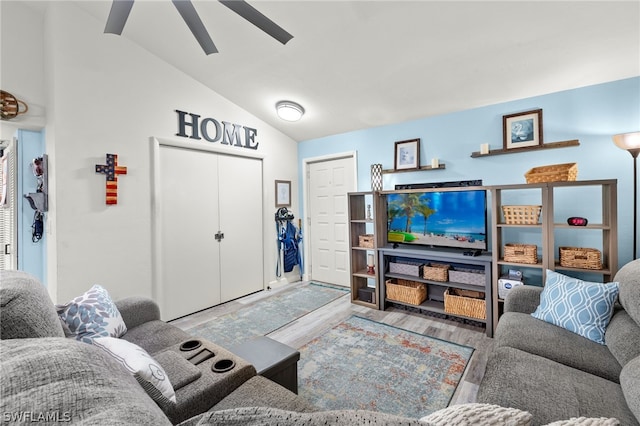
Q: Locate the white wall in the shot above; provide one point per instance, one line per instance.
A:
(105, 94)
(22, 65)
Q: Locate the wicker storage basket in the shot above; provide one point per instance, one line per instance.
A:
(469, 293)
(365, 241)
(521, 215)
(467, 276)
(521, 253)
(436, 272)
(406, 291)
(413, 269)
(467, 306)
(576, 257)
(552, 173)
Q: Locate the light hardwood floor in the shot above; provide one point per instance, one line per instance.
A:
(306, 328)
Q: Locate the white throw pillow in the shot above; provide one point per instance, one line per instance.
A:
(478, 414)
(586, 421)
(147, 371)
(91, 315)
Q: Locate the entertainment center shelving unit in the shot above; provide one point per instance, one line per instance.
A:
(548, 230)
(387, 253)
(436, 289)
(359, 203)
(552, 196)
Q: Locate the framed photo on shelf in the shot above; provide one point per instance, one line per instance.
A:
(522, 129)
(407, 155)
(283, 193)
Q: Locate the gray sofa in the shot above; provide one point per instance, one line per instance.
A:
(556, 374)
(38, 357)
(50, 379)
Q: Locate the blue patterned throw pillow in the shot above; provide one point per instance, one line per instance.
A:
(582, 307)
(91, 315)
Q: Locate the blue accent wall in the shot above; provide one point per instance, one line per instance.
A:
(31, 256)
(590, 114)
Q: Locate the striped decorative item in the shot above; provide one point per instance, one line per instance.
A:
(111, 170)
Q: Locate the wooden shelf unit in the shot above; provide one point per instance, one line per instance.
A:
(360, 224)
(544, 146)
(435, 289)
(548, 228)
(441, 166)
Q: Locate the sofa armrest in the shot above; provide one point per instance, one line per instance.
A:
(525, 299)
(137, 310)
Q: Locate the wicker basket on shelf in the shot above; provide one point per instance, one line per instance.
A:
(436, 272)
(552, 173)
(521, 215)
(365, 240)
(521, 253)
(467, 306)
(577, 257)
(406, 291)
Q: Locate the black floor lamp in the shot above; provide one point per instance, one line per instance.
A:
(631, 142)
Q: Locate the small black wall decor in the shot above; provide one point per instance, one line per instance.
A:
(193, 127)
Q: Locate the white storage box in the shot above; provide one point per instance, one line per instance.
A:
(410, 268)
(505, 284)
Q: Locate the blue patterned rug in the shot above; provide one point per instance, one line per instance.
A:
(266, 315)
(363, 364)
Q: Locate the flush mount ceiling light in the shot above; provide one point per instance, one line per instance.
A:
(289, 111)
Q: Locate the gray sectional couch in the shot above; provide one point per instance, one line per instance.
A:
(51, 379)
(43, 368)
(556, 374)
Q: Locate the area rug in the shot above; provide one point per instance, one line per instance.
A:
(266, 315)
(363, 364)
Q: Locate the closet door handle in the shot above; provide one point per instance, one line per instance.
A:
(219, 236)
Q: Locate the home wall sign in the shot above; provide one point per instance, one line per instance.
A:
(111, 170)
(191, 126)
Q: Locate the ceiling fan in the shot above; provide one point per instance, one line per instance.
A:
(120, 10)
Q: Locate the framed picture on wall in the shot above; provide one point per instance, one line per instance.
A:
(522, 129)
(283, 193)
(407, 155)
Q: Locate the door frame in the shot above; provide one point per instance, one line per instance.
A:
(305, 197)
(11, 210)
(156, 196)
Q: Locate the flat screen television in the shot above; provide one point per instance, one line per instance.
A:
(456, 219)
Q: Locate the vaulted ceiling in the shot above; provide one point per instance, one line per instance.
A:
(360, 64)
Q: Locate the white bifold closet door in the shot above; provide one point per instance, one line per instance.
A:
(202, 195)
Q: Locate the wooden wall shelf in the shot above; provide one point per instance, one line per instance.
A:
(550, 145)
(441, 166)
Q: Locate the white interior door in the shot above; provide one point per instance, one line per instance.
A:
(241, 250)
(328, 183)
(189, 253)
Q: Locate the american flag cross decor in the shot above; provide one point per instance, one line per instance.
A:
(111, 170)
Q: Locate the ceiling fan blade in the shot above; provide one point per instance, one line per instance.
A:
(249, 13)
(193, 21)
(118, 15)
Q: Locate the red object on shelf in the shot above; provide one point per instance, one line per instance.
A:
(577, 221)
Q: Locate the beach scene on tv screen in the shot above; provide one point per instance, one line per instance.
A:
(446, 219)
